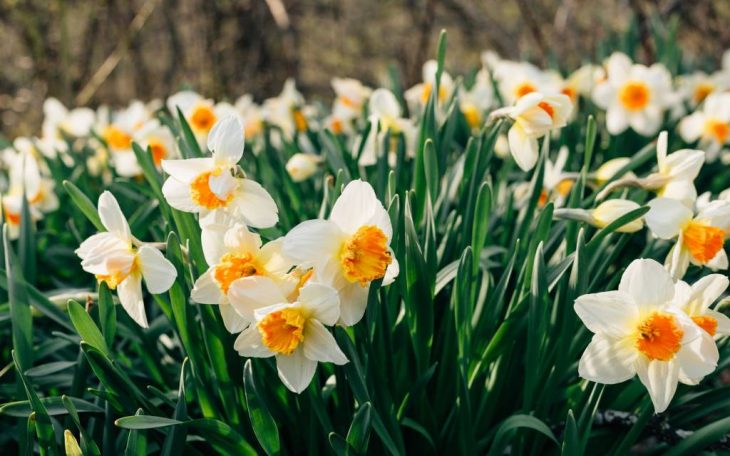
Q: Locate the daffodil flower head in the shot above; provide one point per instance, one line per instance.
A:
(211, 184)
(710, 125)
(350, 250)
(293, 332)
(534, 115)
(639, 329)
(233, 252)
(114, 259)
(633, 95)
(696, 300)
(699, 238)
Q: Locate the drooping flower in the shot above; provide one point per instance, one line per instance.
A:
(634, 95)
(604, 214)
(349, 250)
(113, 257)
(674, 177)
(233, 252)
(534, 115)
(293, 331)
(639, 329)
(211, 184)
(710, 125)
(700, 238)
(385, 116)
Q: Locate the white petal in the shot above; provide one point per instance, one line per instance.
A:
(681, 190)
(607, 361)
(320, 345)
(239, 238)
(211, 237)
(698, 358)
(706, 290)
(222, 185)
(232, 320)
(392, 271)
(684, 164)
(255, 205)
(159, 274)
(677, 260)
(353, 301)
(206, 290)
(188, 169)
(249, 344)
(648, 283)
(524, 149)
(177, 194)
(719, 261)
(313, 242)
(250, 293)
(609, 312)
(616, 120)
(296, 370)
(112, 217)
(723, 322)
(358, 206)
(130, 296)
(226, 140)
(666, 217)
(660, 379)
(322, 300)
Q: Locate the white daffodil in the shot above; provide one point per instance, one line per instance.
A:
(211, 184)
(200, 113)
(303, 166)
(158, 139)
(696, 300)
(634, 95)
(58, 120)
(26, 180)
(385, 116)
(349, 250)
(604, 214)
(674, 177)
(475, 102)
(233, 253)
(294, 332)
(710, 125)
(534, 115)
(113, 257)
(517, 79)
(700, 237)
(119, 135)
(418, 95)
(607, 171)
(556, 183)
(253, 119)
(286, 111)
(351, 96)
(697, 86)
(638, 329)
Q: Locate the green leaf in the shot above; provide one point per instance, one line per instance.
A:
(54, 406)
(359, 432)
(86, 328)
(514, 422)
(84, 204)
(145, 422)
(701, 438)
(263, 424)
(43, 426)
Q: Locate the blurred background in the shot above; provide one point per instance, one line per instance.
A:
(91, 52)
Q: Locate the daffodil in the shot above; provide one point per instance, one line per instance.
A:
(59, 120)
(639, 329)
(233, 253)
(350, 249)
(699, 238)
(253, 119)
(476, 101)
(418, 95)
(697, 299)
(517, 79)
(286, 111)
(604, 214)
(697, 86)
(385, 116)
(153, 136)
(293, 331)
(303, 166)
(674, 177)
(350, 98)
(114, 257)
(210, 184)
(634, 95)
(710, 125)
(200, 113)
(534, 115)
(119, 134)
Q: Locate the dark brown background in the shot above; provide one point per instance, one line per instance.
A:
(224, 48)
